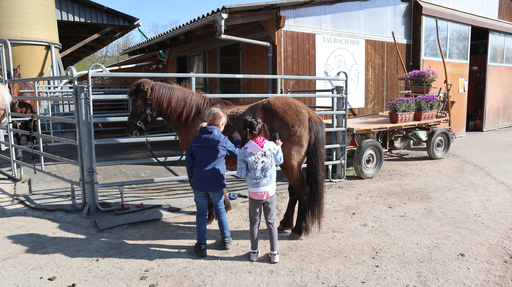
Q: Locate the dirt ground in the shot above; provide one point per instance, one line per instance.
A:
(420, 222)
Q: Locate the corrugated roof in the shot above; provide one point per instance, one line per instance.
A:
(210, 18)
(91, 12)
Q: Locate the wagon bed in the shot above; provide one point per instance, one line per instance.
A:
(379, 122)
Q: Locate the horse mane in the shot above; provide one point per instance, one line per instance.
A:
(5, 96)
(183, 104)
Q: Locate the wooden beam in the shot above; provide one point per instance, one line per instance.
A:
(271, 26)
(86, 41)
(240, 18)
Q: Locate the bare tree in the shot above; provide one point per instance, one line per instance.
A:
(111, 53)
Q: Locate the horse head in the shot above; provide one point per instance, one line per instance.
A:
(142, 114)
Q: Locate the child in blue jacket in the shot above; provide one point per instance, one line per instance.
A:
(206, 160)
(257, 162)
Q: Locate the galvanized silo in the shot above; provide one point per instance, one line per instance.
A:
(30, 26)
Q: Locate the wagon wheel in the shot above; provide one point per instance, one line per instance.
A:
(438, 143)
(368, 159)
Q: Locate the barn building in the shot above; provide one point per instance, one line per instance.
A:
(323, 37)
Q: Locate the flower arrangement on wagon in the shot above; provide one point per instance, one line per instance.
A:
(426, 107)
(401, 110)
(420, 81)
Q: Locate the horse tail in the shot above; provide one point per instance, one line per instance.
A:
(315, 170)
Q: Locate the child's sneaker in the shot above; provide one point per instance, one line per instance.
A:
(200, 249)
(227, 243)
(274, 257)
(254, 255)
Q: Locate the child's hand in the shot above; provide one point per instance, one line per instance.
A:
(237, 136)
(279, 142)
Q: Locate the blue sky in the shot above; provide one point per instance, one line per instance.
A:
(164, 11)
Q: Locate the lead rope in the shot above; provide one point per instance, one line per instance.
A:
(162, 163)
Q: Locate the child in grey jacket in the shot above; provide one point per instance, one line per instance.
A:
(257, 162)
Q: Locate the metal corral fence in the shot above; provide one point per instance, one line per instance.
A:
(75, 113)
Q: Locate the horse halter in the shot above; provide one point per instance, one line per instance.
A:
(148, 112)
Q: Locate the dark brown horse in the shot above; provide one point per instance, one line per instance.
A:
(22, 106)
(301, 130)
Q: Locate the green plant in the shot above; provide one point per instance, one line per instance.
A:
(401, 105)
(426, 103)
(415, 76)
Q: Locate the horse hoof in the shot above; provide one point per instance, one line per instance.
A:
(281, 228)
(294, 236)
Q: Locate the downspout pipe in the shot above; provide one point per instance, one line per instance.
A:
(220, 35)
(160, 53)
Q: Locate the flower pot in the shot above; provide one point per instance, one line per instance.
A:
(396, 118)
(424, 115)
(419, 89)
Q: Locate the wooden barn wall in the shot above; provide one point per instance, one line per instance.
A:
(170, 67)
(505, 10)
(213, 68)
(299, 60)
(498, 106)
(254, 61)
(383, 68)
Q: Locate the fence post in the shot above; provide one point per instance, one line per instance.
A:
(87, 165)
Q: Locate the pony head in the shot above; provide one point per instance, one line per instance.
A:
(141, 114)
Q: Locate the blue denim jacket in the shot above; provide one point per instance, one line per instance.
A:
(257, 164)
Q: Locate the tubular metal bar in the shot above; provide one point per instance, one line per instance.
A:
(53, 138)
(135, 140)
(20, 117)
(138, 161)
(61, 99)
(331, 113)
(336, 129)
(203, 75)
(55, 157)
(65, 179)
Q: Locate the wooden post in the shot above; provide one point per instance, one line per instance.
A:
(445, 77)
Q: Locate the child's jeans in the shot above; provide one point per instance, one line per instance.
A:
(217, 198)
(269, 209)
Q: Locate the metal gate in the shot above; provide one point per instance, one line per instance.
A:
(73, 119)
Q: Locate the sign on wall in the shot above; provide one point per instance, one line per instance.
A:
(335, 55)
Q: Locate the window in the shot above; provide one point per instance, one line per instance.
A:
(500, 48)
(196, 64)
(454, 38)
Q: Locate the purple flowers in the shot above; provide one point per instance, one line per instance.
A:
(401, 105)
(426, 102)
(426, 74)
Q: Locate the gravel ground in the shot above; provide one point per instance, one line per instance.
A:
(420, 222)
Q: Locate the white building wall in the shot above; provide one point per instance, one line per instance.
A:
(364, 19)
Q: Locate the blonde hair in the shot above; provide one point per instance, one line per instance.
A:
(214, 117)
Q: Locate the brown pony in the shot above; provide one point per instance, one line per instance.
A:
(22, 106)
(5, 100)
(301, 130)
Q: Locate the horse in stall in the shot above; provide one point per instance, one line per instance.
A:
(22, 107)
(5, 100)
(301, 130)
